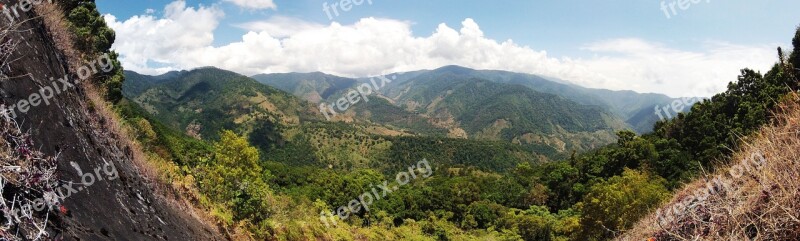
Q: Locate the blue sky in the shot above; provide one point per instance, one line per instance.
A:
(586, 38)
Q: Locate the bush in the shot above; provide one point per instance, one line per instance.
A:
(617, 203)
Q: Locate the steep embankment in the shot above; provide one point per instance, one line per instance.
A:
(756, 198)
(116, 202)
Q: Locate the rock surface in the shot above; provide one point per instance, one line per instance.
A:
(125, 208)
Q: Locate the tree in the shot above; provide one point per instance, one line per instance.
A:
(93, 37)
(619, 202)
(483, 214)
(235, 178)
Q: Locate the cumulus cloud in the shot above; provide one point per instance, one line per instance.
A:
(146, 41)
(254, 4)
(278, 26)
(645, 66)
(182, 39)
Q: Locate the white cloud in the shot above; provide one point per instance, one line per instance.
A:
(640, 65)
(183, 38)
(276, 26)
(146, 39)
(254, 4)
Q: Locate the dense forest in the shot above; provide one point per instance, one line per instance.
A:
(586, 196)
(267, 186)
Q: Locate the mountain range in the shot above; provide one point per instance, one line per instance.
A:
(545, 118)
(408, 88)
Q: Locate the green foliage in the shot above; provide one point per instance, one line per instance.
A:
(213, 100)
(167, 143)
(94, 38)
(480, 190)
(90, 27)
(483, 214)
(616, 204)
(235, 177)
(794, 58)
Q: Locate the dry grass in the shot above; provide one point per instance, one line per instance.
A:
(58, 28)
(107, 121)
(761, 204)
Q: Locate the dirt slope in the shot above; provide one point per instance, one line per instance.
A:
(124, 208)
(756, 198)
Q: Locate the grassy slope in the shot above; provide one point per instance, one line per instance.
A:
(761, 204)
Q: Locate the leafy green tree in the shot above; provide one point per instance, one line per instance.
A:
(235, 178)
(483, 214)
(93, 38)
(616, 204)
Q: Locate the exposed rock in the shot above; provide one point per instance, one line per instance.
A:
(69, 127)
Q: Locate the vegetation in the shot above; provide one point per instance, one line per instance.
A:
(264, 165)
(94, 38)
(759, 205)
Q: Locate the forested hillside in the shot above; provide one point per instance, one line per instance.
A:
(475, 193)
(480, 189)
(447, 154)
(202, 103)
(205, 101)
(624, 104)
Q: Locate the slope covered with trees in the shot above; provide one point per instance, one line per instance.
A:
(479, 190)
(262, 164)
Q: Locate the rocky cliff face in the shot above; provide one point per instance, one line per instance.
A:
(102, 195)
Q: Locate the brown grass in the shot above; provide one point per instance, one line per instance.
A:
(58, 28)
(761, 204)
(111, 123)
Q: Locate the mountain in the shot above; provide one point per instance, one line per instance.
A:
(323, 88)
(629, 106)
(484, 109)
(314, 87)
(206, 100)
(203, 102)
(452, 102)
(624, 104)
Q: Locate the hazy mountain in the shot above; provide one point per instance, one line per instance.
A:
(313, 87)
(629, 106)
(323, 88)
(625, 104)
(206, 101)
(464, 103)
(479, 108)
(435, 103)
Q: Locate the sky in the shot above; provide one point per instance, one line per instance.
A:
(674, 47)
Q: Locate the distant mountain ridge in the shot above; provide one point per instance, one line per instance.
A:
(461, 106)
(455, 102)
(629, 106)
